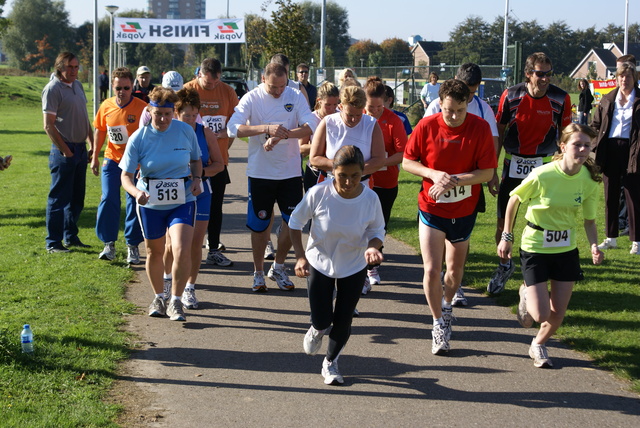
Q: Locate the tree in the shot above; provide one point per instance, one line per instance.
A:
(31, 20)
(4, 22)
(336, 32)
(39, 61)
(255, 28)
(288, 33)
(468, 42)
(395, 51)
(361, 50)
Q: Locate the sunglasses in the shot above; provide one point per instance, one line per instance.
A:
(540, 73)
(303, 72)
(119, 88)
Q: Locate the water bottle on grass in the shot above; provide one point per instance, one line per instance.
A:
(26, 337)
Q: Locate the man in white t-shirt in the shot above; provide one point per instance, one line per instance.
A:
(273, 116)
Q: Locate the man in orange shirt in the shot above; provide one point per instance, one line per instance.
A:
(217, 103)
(118, 117)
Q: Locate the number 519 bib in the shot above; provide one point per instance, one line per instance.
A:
(167, 191)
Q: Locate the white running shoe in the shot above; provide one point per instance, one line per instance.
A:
(175, 311)
(258, 283)
(608, 243)
(157, 307)
(500, 277)
(459, 299)
(281, 278)
(524, 318)
(374, 276)
(133, 255)
(215, 257)
(269, 251)
(189, 299)
(440, 343)
(312, 341)
(635, 249)
(331, 373)
(540, 356)
(366, 288)
(109, 251)
(447, 318)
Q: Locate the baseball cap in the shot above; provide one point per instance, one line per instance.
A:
(173, 80)
(142, 70)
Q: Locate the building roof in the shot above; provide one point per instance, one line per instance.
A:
(429, 48)
(607, 57)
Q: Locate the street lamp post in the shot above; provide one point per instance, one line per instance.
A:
(111, 9)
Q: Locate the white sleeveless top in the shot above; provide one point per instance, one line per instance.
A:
(339, 135)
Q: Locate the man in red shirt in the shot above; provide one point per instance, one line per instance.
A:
(453, 152)
(531, 116)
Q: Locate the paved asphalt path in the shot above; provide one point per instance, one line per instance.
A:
(238, 360)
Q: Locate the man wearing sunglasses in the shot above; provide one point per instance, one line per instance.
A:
(117, 119)
(531, 116)
(303, 78)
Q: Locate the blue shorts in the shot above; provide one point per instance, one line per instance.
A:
(455, 229)
(203, 208)
(263, 194)
(154, 223)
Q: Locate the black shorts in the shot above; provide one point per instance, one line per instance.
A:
(455, 229)
(263, 194)
(506, 186)
(537, 268)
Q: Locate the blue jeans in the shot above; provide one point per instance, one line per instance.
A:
(108, 219)
(66, 195)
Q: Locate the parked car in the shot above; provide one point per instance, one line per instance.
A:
(237, 79)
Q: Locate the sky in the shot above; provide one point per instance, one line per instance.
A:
(433, 20)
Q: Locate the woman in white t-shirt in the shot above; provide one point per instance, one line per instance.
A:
(346, 234)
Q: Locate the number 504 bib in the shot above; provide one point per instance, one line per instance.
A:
(167, 191)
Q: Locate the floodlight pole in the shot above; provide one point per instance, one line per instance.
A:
(96, 94)
(505, 38)
(626, 28)
(111, 9)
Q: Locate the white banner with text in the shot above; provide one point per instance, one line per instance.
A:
(140, 30)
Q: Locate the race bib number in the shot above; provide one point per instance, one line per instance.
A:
(556, 238)
(521, 167)
(214, 123)
(456, 194)
(167, 192)
(118, 134)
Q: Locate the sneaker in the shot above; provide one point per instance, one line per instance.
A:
(608, 244)
(166, 288)
(269, 252)
(459, 299)
(157, 308)
(281, 278)
(175, 310)
(634, 248)
(133, 255)
(76, 243)
(312, 341)
(215, 257)
(374, 276)
(258, 282)
(109, 252)
(331, 373)
(447, 318)
(366, 288)
(57, 248)
(440, 343)
(540, 356)
(189, 299)
(524, 318)
(500, 278)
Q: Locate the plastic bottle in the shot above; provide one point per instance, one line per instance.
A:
(27, 339)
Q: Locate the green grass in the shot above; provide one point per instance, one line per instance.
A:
(603, 319)
(74, 302)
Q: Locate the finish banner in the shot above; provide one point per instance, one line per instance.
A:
(140, 30)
